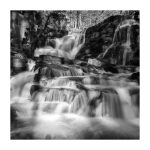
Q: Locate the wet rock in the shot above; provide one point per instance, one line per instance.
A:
(124, 49)
(109, 68)
(115, 40)
(99, 37)
(135, 76)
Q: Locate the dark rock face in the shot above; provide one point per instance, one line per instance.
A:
(115, 41)
(135, 77)
(124, 49)
(99, 37)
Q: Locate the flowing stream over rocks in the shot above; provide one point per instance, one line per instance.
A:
(60, 97)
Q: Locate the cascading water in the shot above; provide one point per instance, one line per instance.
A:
(110, 106)
(62, 97)
(120, 51)
(74, 106)
(19, 81)
(66, 47)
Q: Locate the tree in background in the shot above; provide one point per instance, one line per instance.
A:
(30, 29)
(79, 19)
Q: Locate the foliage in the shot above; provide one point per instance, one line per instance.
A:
(41, 26)
(44, 25)
(92, 17)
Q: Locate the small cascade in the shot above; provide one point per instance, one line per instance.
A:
(60, 95)
(66, 47)
(26, 90)
(127, 45)
(110, 106)
(31, 65)
(116, 103)
(80, 103)
(18, 83)
(120, 51)
(61, 90)
(70, 45)
(126, 103)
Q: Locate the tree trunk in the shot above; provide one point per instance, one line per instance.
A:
(78, 20)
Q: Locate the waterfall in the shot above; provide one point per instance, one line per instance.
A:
(80, 103)
(63, 110)
(126, 103)
(19, 81)
(67, 104)
(26, 90)
(110, 106)
(31, 65)
(66, 47)
(127, 45)
(69, 46)
(120, 51)
(114, 101)
(118, 37)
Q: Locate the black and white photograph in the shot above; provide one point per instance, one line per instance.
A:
(74, 74)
